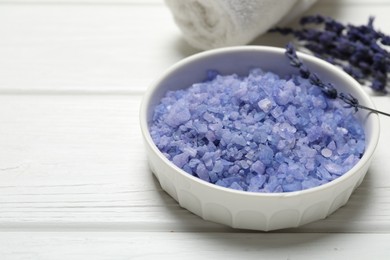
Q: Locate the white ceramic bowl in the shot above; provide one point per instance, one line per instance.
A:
(249, 210)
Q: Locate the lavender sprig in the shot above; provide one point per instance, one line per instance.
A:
(327, 88)
(359, 50)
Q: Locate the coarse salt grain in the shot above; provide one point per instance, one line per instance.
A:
(265, 104)
(258, 133)
(326, 152)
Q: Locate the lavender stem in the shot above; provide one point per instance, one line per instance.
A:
(373, 110)
(329, 90)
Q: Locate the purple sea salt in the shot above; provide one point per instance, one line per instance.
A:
(259, 133)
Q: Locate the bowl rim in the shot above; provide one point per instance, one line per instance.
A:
(367, 155)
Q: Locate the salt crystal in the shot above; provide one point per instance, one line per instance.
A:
(331, 145)
(333, 168)
(227, 136)
(256, 182)
(258, 167)
(343, 148)
(260, 136)
(193, 162)
(236, 186)
(283, 95)
(324, 174)
(208, 117)
(180, 159)
(310, 164)
(290, 114)
(297, 185)
(311, 183)
(286, 130)
(213, 177)
(265, 105)
(314, 133)
(360, 146)
(272, 184)
(233, 170)
(234, 115)
(241, 91)
(202, 172)
(327, 128)
(265, 154)
(239, 140)
(326, 152)
(222, 183)
(201, 128)
(178, 115)
(244, 164)
(277, 112)
(350, 161)
(342, 130)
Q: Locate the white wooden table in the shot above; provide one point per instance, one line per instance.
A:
(74, 180)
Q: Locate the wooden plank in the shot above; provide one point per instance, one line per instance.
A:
(78, 159)
(80, 2)
(172, 245)
(78, 162)
(117, 48)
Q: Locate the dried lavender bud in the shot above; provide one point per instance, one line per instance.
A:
(359, 50)
(353, 71)
(316, 48)
(349, 100)
(314, 19)
(334, 26)
(385, 40)
(377, 85)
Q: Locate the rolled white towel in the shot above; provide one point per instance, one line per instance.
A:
(208, 24)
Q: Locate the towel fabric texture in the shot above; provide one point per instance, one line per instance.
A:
(208, 24)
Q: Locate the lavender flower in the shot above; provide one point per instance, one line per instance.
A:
(359, 50)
